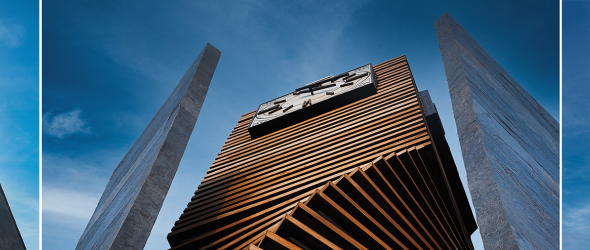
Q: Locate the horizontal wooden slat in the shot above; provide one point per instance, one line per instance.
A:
(254, 183)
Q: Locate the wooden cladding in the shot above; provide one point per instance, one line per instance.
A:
(258, 193)
(394, 202)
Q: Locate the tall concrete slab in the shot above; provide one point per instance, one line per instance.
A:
(10, 238)
(510, 146)
(134, 195)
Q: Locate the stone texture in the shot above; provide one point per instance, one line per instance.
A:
(9, 235)
(510, 146)
(135, 193)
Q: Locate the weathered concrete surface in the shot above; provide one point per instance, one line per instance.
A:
(9, 235)
(134, 195)
(510, 146)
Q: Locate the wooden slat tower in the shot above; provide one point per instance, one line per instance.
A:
(363, 176)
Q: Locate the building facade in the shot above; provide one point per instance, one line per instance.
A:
(367, 170)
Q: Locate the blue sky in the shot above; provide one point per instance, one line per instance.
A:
(19, 114)
(576, 131)
(109, 66)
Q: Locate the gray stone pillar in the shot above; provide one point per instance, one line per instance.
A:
(10, 238)
(510, 146)
(134, 195)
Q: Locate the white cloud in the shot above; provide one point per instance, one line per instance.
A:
(576, 227)
(72, 187)
(69, 206)
(11, 34)
(65, 124)
(578, 219)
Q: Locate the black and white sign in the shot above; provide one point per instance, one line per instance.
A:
(313, 99)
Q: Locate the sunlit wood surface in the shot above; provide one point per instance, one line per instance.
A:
(302, 185)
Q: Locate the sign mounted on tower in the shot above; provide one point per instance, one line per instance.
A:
(313, 99)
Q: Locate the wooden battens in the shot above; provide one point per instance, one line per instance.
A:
(356, 201)
(301, 187)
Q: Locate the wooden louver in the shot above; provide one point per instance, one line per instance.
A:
(363, 176)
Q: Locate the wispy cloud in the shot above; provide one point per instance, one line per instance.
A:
(11, 34)
(576, 227)
(64, 124)
(68, 206)
(72, 187)
(76, 184)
